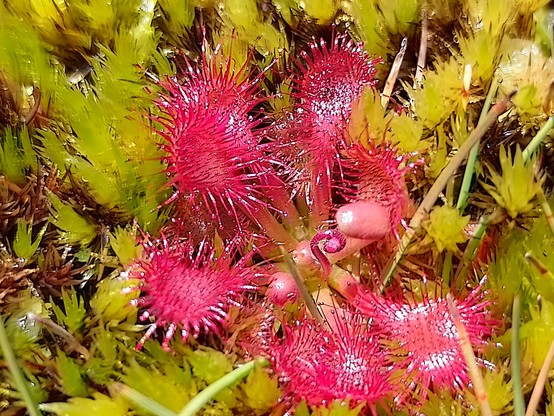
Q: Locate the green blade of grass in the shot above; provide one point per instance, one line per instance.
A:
(202, 398)
(519, 402)
(474, 153)
(538, 139)
(17, 375)
(142, 400)
(431, 197)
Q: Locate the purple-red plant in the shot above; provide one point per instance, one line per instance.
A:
(329, 81)
(319, 365)
(188, 288)
(376, 175)
(208, 133)
(422, 338)
(212, 147)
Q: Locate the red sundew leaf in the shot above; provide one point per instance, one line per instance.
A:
(377, 174)
(310, 139)
(210, 140)
(329, 82)
(423, 340)
(319, 366)
(187, 288)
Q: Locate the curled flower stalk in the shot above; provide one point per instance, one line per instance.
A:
(333, 242)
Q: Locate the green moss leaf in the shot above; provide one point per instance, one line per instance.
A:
(499, 392)
(164, 388)
(124, 243)
(70, 376)
(533, 334)
(322, 11)
(23, 246)
(515, 188)
(16, 155)
(99, 405)
(446, 227)
(112, 299)
(209, 364)
(74, 312)
(261, 390)
(74, 229)
(400, 16)
(439, 94)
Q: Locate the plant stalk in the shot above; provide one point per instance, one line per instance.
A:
(17, 375)
(206, 395)
(519, 403)
(306, 296)
(431, 197)
(142, 400)
(474, 153)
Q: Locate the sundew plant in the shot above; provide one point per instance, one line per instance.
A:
(277, 207)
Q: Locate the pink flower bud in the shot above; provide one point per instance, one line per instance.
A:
(367, 220)
(282, 289)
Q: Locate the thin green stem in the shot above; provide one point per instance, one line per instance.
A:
(519, 403)
(483, 223)
(538, 139)
(17, 375)
(546, 209)
(474, 153)
(306, 296)
(142, 400)
(431, 197)
(206, 395)
(474, 241)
